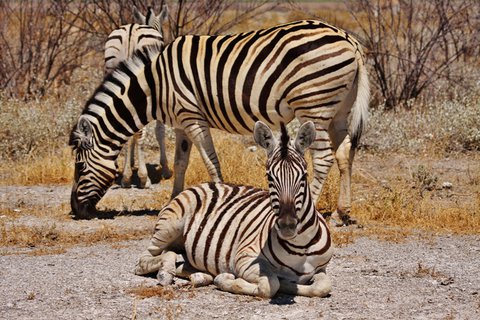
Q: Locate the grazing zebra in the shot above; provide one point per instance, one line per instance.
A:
(121, 44)
(307, 70)
(254, 242)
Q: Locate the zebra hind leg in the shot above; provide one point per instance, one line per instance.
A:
(344, 154)
(165, 171)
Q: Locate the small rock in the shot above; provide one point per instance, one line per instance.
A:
(447, 185)
(252, 148)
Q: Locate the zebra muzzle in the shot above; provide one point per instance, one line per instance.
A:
(287, 221)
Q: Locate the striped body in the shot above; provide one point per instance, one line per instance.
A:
(248, 233)
(222, 222)
(306, 69)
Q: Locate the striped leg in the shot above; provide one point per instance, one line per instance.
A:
(165, 171)
(322, 159)
(199, 134)
(183, 145)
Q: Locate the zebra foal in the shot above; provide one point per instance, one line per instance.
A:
(120, 45)
(252, 241)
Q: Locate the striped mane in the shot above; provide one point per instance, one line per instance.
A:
(284, 140)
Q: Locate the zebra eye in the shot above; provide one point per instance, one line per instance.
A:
(80, 165)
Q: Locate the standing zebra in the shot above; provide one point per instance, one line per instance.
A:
(121, 44)
(255, 242)
(307, 70)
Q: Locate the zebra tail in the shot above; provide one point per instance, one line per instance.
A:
(359, 114)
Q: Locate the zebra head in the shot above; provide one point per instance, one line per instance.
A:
(287, 174)
(94, 171)
(151, 19)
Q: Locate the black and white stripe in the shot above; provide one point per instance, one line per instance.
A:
(121, 44)
(307, 70)
(253, 241)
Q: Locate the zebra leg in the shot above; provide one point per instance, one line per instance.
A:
(258, 279)
(322, 159)
(321, 286)
(142, 167)
(183, 145)
(165, 171)
(167, 235)
(200, 135)
(127, 167)
(344, 154)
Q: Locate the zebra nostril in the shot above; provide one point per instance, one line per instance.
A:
(287, 224)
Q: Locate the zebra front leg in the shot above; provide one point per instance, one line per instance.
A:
(258, 279)
(183, 145)
(127, 166)
(199, 134)
(142, 167)
(321, 286)
(165, 171)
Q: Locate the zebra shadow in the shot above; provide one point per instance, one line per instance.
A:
(112, 214)
(282, 299)
(153, 171)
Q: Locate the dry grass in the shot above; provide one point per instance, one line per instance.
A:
(143, 292)
(50, 238)
(53, 168)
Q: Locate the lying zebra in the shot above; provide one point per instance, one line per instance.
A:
(254, 242)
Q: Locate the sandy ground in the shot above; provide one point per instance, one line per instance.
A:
(422, 277)
(371, 280)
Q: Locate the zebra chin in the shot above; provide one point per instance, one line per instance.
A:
(82, 210)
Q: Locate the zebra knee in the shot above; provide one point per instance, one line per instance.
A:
(268, 286)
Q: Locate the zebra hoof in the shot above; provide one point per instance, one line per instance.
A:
(166, 173)
(340, 219)
(126, 182)
(164, 278)
(145, 183)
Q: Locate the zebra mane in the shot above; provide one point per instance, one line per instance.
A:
(284, 140)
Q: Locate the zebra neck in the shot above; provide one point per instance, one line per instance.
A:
(123, 105)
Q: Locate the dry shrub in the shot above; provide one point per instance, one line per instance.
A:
(444, 127)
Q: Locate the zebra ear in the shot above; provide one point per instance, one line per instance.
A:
(82, 135)
(163, 14)
(305, 137)
(139, 17)
(264, 137)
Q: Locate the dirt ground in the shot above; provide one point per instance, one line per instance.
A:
(422, 277)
